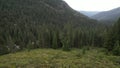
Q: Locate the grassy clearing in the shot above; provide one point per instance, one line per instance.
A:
(49, 58)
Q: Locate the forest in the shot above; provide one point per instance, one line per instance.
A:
(44, 24)
(32, 36)
(19, 32)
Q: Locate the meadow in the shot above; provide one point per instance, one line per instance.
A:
(51, 58)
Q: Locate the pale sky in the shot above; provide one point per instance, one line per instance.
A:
(93, 5)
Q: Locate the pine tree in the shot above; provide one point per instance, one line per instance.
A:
(113, 39)
(116, 49)
(54, 41)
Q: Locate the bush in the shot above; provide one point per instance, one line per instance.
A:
(116, 50)
(3, 50)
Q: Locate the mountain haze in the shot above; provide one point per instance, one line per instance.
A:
(89, 13)
(108, 16)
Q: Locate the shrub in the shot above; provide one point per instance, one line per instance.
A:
(116, 50)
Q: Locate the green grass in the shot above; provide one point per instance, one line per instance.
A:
(50, 58)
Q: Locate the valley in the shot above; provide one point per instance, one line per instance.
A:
(51, 34)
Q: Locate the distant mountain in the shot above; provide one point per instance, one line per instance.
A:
(89, 13)
(108, 17)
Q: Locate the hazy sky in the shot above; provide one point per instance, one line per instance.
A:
(93, 5)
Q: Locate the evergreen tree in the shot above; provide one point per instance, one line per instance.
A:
(54, 41)
(116, 49)
(113, 39)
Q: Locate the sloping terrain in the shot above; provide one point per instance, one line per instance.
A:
(108, 16)
(49, 58)
(34, 23)
(39, 11)
(31, 24)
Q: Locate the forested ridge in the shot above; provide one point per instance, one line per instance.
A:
(108, 17)
(31, 24)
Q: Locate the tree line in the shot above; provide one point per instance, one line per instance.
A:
(20, 36)
(31, 36)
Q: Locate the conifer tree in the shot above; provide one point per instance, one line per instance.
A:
(54, 41)
(113, 39)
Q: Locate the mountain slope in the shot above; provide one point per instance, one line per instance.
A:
(55, 11)
(108, 16)
(30, 24)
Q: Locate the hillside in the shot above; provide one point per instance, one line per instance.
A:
(44, 24)
(49, 58)
(50, 34)
(39, 11)
(108, 17)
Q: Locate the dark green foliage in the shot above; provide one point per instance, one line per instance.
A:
(3, 50)
(66, 45)
(52, 36)
(112, 42)
(116, 49)
(84, 51)
(54, 41)
(30, 45)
